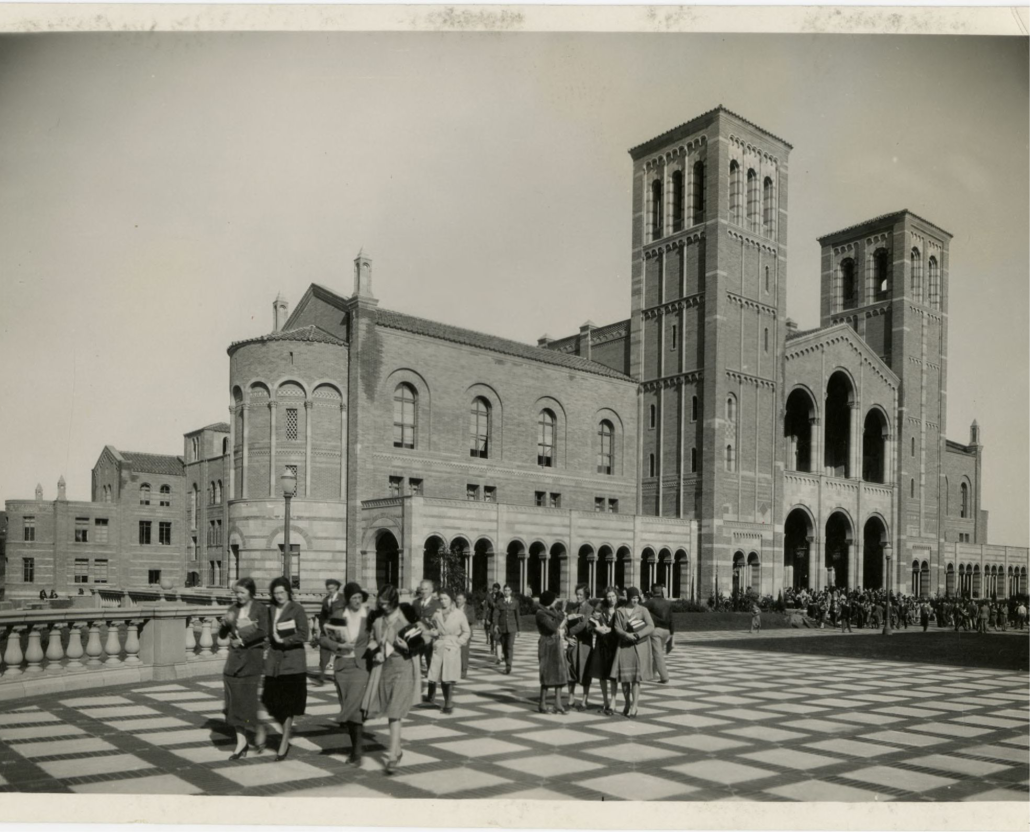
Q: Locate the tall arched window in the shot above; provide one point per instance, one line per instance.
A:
(752, 200)
(736, 194)
(964, 500)
(916, 263)
(934, 281)
(606, 447)
(545, 439)
(218, 492)
(479, 428)
(404, 401)
(677, 200)
(194, 500)
(881, 274)
(650, 465)
(225, 445)
(698, 195)
(652, 414)
(731, 459)
(848, 295)
(731, 408)
(211, 493)
(693, 408)
(693, 460)
(767, 278)
(144, 494)
(765, 339)
(912, 487)
(166, 495)
(657, 217)
(768, 214)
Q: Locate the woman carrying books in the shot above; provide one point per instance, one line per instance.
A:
(286, 665)
(450, 632)
(345, 636)
(554, 672)
(632, 662)
(599, 664)
(582, 637)
(245, 624)
(396, 679)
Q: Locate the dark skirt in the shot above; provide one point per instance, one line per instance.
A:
(579, 661)
(599, 662)
(241, 701)
(554, 670)
(350, 687)
(285, 696)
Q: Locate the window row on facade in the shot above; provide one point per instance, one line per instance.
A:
(850, 291)
(678, 204)
(970, 581)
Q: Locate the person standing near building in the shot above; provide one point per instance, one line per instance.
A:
(506, 624)
(286, 673)
(845, 613)
(581, 644)
(488, 622)
(756, 618)
(450, 632)
(461, 601)
(632, 663)
(554, 670)
(346, 636)
(245, 624)
(1021, 616)
(425, 607)
(331, 600)
(661, 638)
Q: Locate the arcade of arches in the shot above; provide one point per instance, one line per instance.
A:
(833, 556)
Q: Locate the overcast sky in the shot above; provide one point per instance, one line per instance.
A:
(157, 191)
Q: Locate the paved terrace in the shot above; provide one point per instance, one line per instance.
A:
(733, 724)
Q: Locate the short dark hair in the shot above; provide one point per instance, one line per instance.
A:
(389, 594)
(332, 582)
(585, 588)
(280, 582)
(248, 584)
(496, 586)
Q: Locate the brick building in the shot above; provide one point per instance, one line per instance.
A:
(704, 441)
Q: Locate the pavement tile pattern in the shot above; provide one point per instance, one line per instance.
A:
(731, 724)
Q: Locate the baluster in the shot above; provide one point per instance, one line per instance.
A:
(54, 650)
(12, 655)
(34, 652)
(191, 639)
(75, 651)
(132, 643)
(93, 648)
(206, 642)
(113, 646)
(223, 641)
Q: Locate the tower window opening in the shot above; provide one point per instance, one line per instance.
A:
(881, 274)
(848, 295)
(677, 200)
(657, 218)
(917, 275)
(752, 200)
(736, 195)
(698, 194)
(767, 206)
(934, 281)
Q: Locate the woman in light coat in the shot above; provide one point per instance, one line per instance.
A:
(632, 663)
(450, 632)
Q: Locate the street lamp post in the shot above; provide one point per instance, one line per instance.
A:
(289, 484)
(887, 606)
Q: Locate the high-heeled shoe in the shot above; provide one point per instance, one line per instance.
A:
(239, 755)
(259, 747)
(280, 757)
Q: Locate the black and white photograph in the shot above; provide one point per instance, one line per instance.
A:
(475, 410)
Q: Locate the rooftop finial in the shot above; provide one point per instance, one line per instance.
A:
(363, 275)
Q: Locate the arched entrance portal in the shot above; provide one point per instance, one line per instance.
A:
(873, 537)
(432, 558)
(837, 448)
(535, 569)
(513, 566)
(797, 428)
(838, 549)
(557, 559)
(797, 540)
(481, 564)
(622, 559)
(388, 560)
(738, 572)
(874, 445)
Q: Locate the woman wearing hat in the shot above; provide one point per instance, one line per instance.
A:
(554, 671)
(450, 632)
(632, 662)
(345, 636)
(396, 646)
(286, 665)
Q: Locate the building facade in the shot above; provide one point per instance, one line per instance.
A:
(705, 441)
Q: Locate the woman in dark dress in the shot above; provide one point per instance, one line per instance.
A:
(554, 671)
(582, 639)
(599, 664)
(345, 636)
(632, 663)
(286, 665)
(245, 624)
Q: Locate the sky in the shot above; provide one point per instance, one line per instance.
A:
(158, 191)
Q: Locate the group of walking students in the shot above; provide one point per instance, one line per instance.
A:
(377, 654)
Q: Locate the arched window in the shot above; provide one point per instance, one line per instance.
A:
(848, 295)
(765, 339)
(693, 460)
(545, 439)
(693, 408)
(768, 213)
(698, 195)
(225, 445)
(657, 218)
(652, 416)
(218, 492)
(934, 281)
(912, 488)
(166, 495)
(211, 494)
(731, 408)
(964, 500)
(917, 275)
(479, 428)
(650, 465)
(195, 448)
(736, 195)
(144, 494)
(194, 500)
(752, 200)
(913, 446)
(881, 275)
(731, 459)
(606, 447)
(404, 401)
(767, 278)
(677, 200)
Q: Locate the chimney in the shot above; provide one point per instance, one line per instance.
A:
(585, 339)
(792, 326)
(974, 435)
(544, 341)
(363, 275)
(60, 490)
(280, 312)
(39, 493)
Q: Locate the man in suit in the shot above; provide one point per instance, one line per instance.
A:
(506, 624)
(425, 606)
(332, 599)
(661, 639)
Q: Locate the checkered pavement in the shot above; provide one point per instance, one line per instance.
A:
(732, 724)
